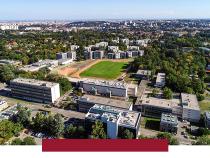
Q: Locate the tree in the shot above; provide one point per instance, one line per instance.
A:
(81, 132)
(16, 141)
(25, 141)
(80, 53)
(23, 116)
(56, 125)
(38, 122)
(98, 131)
(126, 134)
(70, 131)
(28, 141)
(155, 91)
(169, 137)
(167, 93)
(200, 97)
(6, 73)
(65, 85)
(9, 129)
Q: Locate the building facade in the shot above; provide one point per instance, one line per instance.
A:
(104, 88)
(191, 109)
(207, 119)
(35, 90)
(169, 123)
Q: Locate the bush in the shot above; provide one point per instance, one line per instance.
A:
(200, 97)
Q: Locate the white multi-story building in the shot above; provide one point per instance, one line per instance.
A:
(160, 81)
(74, 47)
(191, 109)
(101, 44)
(113, 48)
(33, 28)
(35, 90)
(126, 41)
(9, 27)
(116, 120)
(131, 48)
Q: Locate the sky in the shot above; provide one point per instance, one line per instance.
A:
(103, 9)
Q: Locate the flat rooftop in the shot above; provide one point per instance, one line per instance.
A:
(6, 61)
(189, 101)
(164, 103)
(104, 113)
(34, 82)
(169, 118)
(106, 83)
(106, 101)
(143, 72)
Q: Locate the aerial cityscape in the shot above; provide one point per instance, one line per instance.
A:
(105, 77)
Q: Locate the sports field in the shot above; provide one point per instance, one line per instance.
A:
(105, 70)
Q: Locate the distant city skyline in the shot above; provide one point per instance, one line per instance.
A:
(104, 10)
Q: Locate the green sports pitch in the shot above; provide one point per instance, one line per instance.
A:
(105, 70)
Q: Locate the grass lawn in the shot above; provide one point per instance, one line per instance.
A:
(105, 69)
(152, 123)
(205, 106)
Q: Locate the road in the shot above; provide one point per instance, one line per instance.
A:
(182, 140)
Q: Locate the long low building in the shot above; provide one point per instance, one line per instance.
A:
(115, 120)
(35, 90)
(187, 108)
(107, 88)
(39, 65)
(154, 107)
(88, 101)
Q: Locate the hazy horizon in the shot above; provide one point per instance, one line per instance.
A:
(88, 10)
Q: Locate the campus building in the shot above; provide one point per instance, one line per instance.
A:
(3, 105)
(98, 54)
(10, 62)
(66, 58)
(207, 119)
(191, 109)
(143, 74)
(154, 107)
(9, 27)
(35, 90)
(105, 88)
(88, 101)
(39, 65)
(160, 81)
(115, 120)
(101, 44)
(169, 123)
(113, 49)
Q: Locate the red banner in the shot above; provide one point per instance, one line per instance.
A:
(104, 145)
